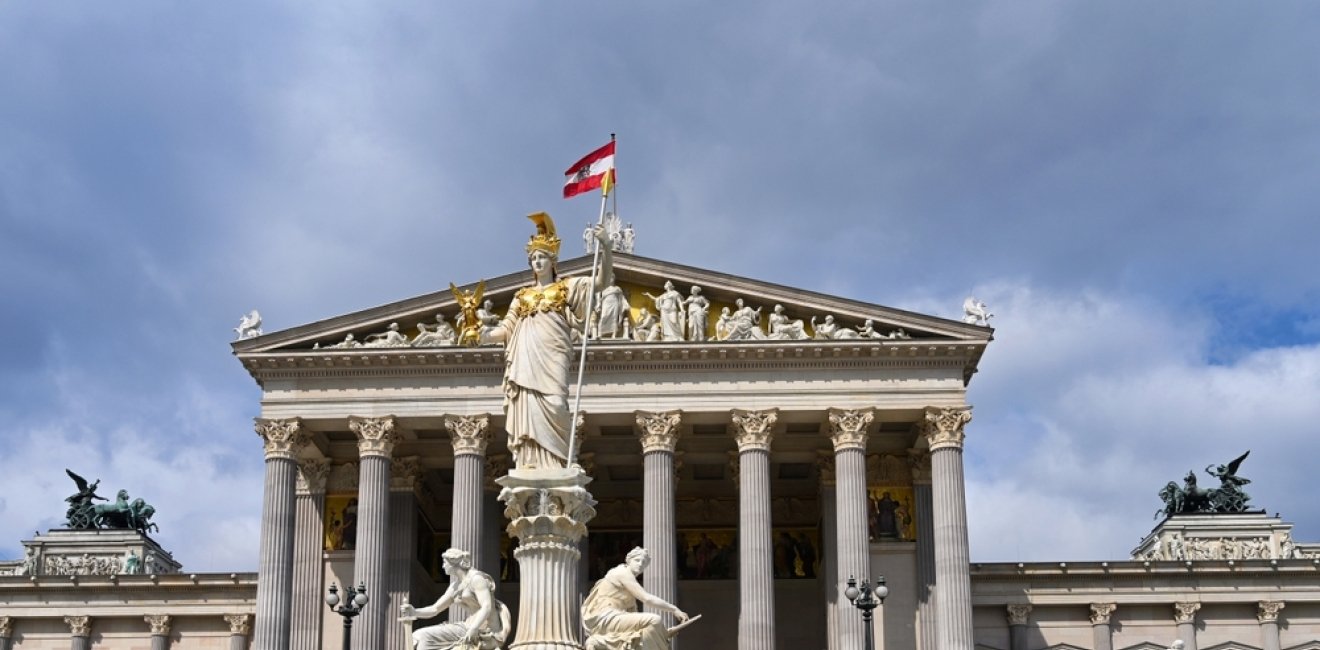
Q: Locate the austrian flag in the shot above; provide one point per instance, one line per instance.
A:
(589, 173)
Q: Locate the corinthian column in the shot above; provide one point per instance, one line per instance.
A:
(1101, 632)
(240, 626)
(659, 434)
(756, 616)
(160, 630)
(469, 434)
(943, 428)
(848, 433)
(283, 438)
(829, 538)
(80, 632)
(919, 463)
(1017, 626)
(376, 440)
(1184, 614)
(308, 543)
(1268, 616)
(403, 535)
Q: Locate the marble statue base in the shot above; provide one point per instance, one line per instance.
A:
(548, 511)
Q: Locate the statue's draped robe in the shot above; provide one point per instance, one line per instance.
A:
(446, 636)
(670, 306)
(613, 623)
(538, 355)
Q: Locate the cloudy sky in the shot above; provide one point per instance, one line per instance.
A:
(1131, 186)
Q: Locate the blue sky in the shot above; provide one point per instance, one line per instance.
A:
(1130, 186)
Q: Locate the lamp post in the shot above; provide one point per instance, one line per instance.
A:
(349, 609)
(867, 599)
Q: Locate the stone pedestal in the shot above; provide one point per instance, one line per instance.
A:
(548, 511)
(96, 552)
(1219, 536)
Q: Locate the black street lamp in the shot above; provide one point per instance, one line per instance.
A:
(867, 599)
(349, 609)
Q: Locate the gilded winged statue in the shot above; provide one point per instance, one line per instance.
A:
(469, 324)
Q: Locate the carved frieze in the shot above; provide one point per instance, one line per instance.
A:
(848, 428)
(282, 438)
(1100, 613)
(754, 429)
(343, 478)
(943, 427)
(469, 433)
(919, 464)
(160, 624)
(82, 565)
(1267, 611)
(658, 431)
(376, 436)
(1019, 613)
(239, 624)
(888, 469)
(312, 475)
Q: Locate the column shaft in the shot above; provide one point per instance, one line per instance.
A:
(756, 618)
(1102, 636)
(467, 518)
(852, 539)
(370, 558)
(661, 577)
(1017, 637)
(160, 642)
(275, 564)
(829, 570)
(1187, 632)
(80, 643)
(237, 642)
(1269, 633)
(928, 638)
(308, 572)
(952, 562)
(403, 535)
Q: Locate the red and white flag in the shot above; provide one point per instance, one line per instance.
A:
(589, 173)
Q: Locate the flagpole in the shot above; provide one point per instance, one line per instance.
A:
(586, 323)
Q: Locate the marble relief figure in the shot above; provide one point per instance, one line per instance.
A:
(485, 628)
(670, 305)
(647, 328)
(610, 611)
(537, 334)
(697, 306)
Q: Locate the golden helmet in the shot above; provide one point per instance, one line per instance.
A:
(545, 238)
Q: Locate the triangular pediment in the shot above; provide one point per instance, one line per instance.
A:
(637, 277)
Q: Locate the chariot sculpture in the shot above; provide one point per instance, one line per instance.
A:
(85, 514)
(1191, 499)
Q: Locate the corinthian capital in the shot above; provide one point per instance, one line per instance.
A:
(1268, 610)
(160, 624)
(943, 427)
(6, 627)
(1018, 614)
(469, 433)
(754, 429)
(282, 438)
(658, 431)
(79, 625)
(848, 428)
(1100, 613)
(239, 624)
(312, 473)
(1185, 612)
(376, 436)
(404, 473)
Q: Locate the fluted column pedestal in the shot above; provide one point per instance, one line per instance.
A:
(1101, 633)
(308, 544)
(1184, 614)
(80, 632)
(753, 431)
(240, 626)
(1268, 617)
(549, 510)
(283, 439)
(376, 440)
(943, 428)
(927, 631)
(403, 537)
(469, 435)
(659, 436)
(1017, 626)
(848, 434)
(829, 539)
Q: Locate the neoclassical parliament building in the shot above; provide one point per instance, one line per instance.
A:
(761, 469)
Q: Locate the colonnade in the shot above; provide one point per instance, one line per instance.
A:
(158, 625)
(291, 571)
(1183, 617)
